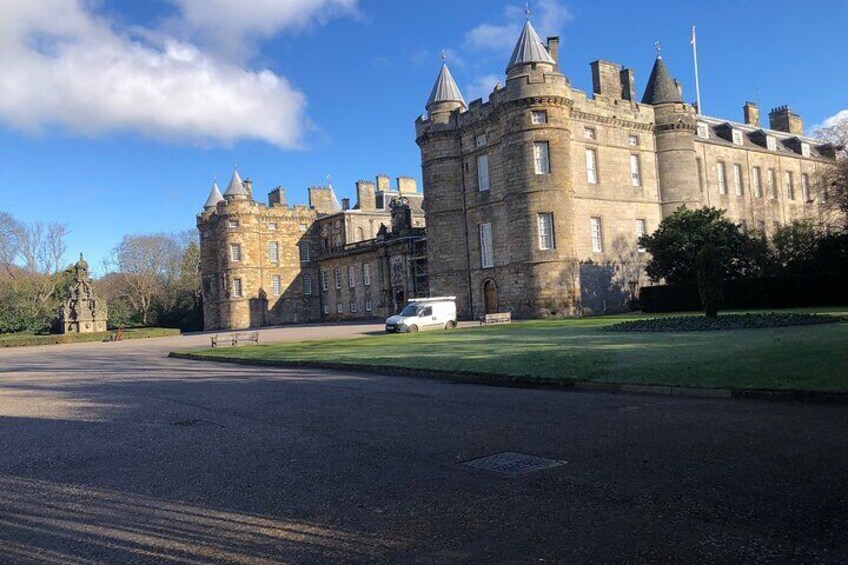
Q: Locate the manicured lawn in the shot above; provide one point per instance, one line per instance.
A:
(25, 339)
(802, 358)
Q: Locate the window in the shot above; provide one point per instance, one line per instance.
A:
(737, 179)
(771, 143)
(722, 178)
(326, 309)
(352, 307)
(337, 275)
(633, 141)
(339, 308)
(703, 131)
(304, 251)
(274, 251)
(487, 256)
(591, 166)
(805, 188)
(597, 238)
(276, 285)
(368, 305)
(546, 231)
(304, 228)
(757, 182)
(805, 149)
(205, 234)
(589, 133)
(351, 276)
(772, 184)
(235, 251)
(635, 171)
(737, 137)
(238, 291)
(641, 230)
(700, 166)
(272, 226)
(232, 224)
(307, 285)
(541, 158)
(480, 140)
(324, 282)
(539, 117)
(483, 173)
(366, 274)
(790, 186)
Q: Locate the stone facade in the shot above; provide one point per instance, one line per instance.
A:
(261, 264)
(83, 312)
(535, 198)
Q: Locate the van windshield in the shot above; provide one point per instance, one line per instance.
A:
(411, 310)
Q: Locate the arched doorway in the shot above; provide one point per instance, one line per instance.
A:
(490, 296)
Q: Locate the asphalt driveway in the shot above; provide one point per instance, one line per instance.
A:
(112, 453)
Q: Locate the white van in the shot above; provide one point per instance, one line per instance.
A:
(425, 314)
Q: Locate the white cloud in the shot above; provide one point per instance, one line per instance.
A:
(64, 65)
(233, 27)
(548, 19)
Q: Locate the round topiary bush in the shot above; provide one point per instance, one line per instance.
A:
(722, 322)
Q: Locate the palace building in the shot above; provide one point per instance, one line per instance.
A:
(536, 197)
(534, 201)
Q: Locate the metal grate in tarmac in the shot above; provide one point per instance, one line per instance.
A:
(513, 464)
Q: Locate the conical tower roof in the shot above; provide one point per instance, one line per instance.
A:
(236, 187)
(529, 49)
(445, 89)
(661, 87)
(215, 196)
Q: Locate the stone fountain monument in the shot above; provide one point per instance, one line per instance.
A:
(83, 312)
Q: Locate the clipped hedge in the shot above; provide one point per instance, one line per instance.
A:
(798, 291)
(722, 322)
(28, 339)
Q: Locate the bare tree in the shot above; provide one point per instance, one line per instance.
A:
(834, 193)
(836, 132)
(146, 264)
(34, 251)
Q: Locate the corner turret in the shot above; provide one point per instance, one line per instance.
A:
(529, 53)
(445, 97)
(661, 87)
(215, 196)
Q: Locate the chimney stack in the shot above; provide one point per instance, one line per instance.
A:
(628, 84)
(752, 114)
(277, 197)
(783, 119)
(553, 49)
(248, 186)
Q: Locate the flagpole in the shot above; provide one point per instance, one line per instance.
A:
(694, 42)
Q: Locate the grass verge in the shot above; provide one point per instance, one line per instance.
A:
(802, 358)
(24, 339)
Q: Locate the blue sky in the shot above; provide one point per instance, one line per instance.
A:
(115, 116)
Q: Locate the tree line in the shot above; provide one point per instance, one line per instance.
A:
(150, 280)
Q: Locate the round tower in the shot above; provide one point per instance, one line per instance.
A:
(674, 128)
(440, 141)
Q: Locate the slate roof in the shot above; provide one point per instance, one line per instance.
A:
(236, 187)
(661, 87)
(215, 196)
(445, 89)
(529, 49)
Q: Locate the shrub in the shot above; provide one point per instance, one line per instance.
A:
(710, 279)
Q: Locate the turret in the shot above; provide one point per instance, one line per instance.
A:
(529, 54)
(445, 97)
(215, 196)
(674, 128)
(236, 189)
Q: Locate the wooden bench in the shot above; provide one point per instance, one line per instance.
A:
(235, 340)
(500, 318)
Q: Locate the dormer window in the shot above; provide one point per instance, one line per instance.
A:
(737, 137)
(480, 140)
(703, 131)
(805, 149)
(771, 143)
(589, 133)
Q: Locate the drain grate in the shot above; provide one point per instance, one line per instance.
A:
(513, 464)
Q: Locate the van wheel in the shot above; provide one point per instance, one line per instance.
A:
(413, 329)
(450, 325)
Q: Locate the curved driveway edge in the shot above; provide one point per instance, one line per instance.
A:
(490, 379)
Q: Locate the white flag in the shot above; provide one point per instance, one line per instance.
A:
(692, 41)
